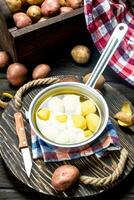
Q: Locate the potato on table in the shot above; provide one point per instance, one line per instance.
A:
(64, 177)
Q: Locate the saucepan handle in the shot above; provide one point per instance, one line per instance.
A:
(114, 41)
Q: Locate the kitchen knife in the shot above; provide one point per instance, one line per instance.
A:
(23, 145)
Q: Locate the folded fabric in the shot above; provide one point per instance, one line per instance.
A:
(102, 16)
(108, 141)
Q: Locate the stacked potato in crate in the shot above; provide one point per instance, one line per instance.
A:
(27, 12)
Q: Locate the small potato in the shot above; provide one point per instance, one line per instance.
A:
(41, 71)
(4, 59)
(34, 2)
(21, 20)
(43, 19)
(64, 177)
(99, 83)
(34, 12)
(70, 79)
(75, 3)
(17, 74)
(62, 2)
(81, 54)
(50, 7)
(14, 5)
(65, 9)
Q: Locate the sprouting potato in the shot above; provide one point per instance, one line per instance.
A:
(44, 114)
(79, 121)
(61, 118)
(87, 107)
(93, 121)
(34, 12)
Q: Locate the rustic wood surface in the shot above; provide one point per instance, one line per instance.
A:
(12, 188)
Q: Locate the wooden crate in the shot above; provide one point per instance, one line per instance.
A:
(35, 41)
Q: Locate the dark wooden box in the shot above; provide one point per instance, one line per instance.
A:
(34, 42)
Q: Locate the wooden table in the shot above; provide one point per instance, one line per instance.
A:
(13, 189)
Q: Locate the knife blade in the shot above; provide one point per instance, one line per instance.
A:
(23, 144)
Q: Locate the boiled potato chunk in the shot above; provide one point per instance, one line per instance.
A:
(93, 121)
(87, 107)
(88, 133)
(44, 114)
(79, 121)
(61, 118)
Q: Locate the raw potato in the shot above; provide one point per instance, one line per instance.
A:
(99, 83)
(41, 71)
(43, 19)
(17, 74)
(75, 3)
(64, 177)
(34, 2)
(80, 54)
(70, 79)
(14, 5)
(21, 20)
(62, 2)
(34, 12)
(4, 59)
(65, 9)
(50, 7)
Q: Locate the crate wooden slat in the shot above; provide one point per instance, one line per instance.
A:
(31, 43)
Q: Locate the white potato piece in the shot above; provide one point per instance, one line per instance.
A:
(72, 104)
(56, 105)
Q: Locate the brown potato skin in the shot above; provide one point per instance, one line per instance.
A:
(65, 9)
(17, 74)
(64, 177)
(99, 84)
(81, 54)
(41, 71)
(21, 20)
(4, 59)
(34, 2)
(34, 12)
(74, 3)
(70, 79)
(14, 5)
(50, 8)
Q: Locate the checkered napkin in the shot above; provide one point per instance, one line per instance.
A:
(108, 141)
(102, 16)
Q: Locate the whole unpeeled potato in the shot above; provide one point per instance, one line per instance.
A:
(21, 20)
(50, 7)
(4, 59)
(80, 54)
(65, 9)
(41, 71)
(34, 2)
(74, 3)
(64, 177)
(34, 12)
(17, 74)
(99, 83)
(14, 5)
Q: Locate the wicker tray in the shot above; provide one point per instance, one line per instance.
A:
(41, 172)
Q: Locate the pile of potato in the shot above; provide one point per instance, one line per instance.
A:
(26, 12)
(17, 73)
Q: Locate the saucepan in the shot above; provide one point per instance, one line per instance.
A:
(79, 89)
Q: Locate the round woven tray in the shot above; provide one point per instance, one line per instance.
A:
(40, 179)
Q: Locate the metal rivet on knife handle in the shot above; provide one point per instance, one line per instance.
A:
(20, 130)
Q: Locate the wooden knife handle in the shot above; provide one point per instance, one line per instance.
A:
(20, 130)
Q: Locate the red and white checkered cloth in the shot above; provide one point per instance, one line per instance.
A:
(102, 16)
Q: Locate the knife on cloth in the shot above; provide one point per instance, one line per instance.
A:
(23, 144)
